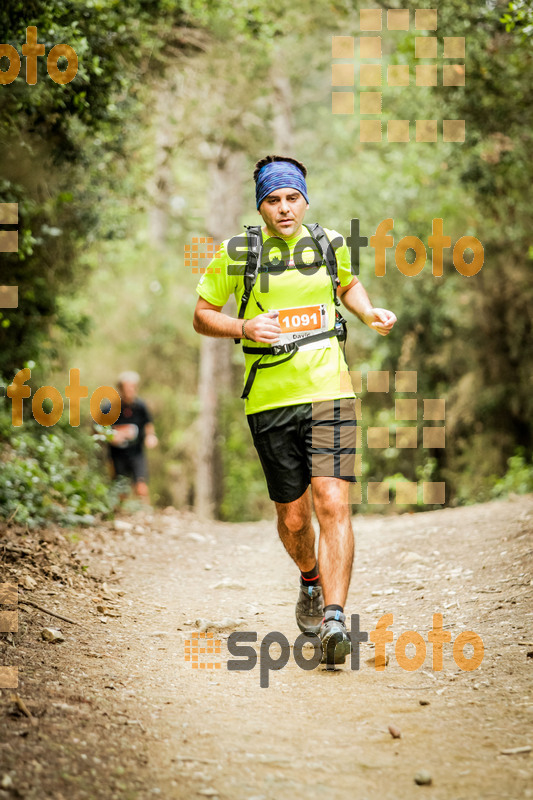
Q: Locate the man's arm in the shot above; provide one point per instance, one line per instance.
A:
(356, 300)
(210, 321)
(150, 438)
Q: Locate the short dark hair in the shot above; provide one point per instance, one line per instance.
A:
(270, 159)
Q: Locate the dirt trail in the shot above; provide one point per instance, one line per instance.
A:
(120, 712)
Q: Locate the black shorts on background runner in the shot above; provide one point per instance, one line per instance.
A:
(130, 464)
(129, 459)
(296, 443)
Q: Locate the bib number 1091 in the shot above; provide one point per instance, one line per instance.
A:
(306, 318)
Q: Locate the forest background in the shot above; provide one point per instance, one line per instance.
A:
(153, 143)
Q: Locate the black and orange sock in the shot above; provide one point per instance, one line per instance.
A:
(310, 578)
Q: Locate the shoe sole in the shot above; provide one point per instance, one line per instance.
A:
(335, 650)
(311, 630)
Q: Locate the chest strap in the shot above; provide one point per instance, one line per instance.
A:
(291, 348)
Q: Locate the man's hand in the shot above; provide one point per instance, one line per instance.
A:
(121, 434)
(264, 328)
(380, 320)
(150, 439)
(356, 300)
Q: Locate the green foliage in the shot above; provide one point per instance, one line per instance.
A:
(519, 15)
(519, 477)
(60, 145)
(79, 159)
(467, 338)
(52, 477)
(244, 496)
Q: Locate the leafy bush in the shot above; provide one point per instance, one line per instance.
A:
(244, 495)
(517, 479)
(52, 477)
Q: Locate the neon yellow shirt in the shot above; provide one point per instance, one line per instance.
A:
(312, 374)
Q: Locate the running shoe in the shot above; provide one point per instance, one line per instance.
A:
(310, 609)
(336, 644)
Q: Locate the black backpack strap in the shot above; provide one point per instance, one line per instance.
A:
(290, 349)
(257, 365)
(279, 349)
(330, 257)
(255, 246)
(318, 233)
(254, 238)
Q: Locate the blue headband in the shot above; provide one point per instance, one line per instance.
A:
(278, 175)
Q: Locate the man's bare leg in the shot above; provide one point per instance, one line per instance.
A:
(298, 536)
(141, 491)
(336, 543)
(296, 531)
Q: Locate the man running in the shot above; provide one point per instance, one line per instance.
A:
(301, 415)
(133, 430)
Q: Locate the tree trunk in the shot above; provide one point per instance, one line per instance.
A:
(282, 106)
(161, 186)
(225, 171)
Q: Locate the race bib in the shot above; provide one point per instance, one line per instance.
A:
(302, 321)
(129, 432)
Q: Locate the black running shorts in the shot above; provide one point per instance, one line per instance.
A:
(130, 465)
(296, 443)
